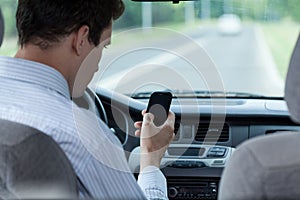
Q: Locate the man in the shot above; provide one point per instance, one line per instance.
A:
(55, 37)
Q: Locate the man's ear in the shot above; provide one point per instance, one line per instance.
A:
(81, 39)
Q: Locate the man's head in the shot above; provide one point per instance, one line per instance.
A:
(44, 22)
(62, 33)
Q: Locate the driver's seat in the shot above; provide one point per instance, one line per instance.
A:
(33, 166)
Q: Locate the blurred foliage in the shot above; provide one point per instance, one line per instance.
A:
(293, 8)
(132, 16)
(264, 10)
(284, 31)
(170, 13)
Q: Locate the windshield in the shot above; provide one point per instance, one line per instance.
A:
(202, 48)
(232, 46)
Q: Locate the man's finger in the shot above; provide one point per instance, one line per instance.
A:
(148, 118)
(138, 124)
(171, 119)
(137, 133)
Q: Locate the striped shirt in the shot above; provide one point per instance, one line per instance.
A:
(38, 96)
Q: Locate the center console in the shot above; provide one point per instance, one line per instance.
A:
(192, 172)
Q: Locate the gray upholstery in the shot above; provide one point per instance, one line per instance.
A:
(1, 27)
(32, 165)
(292, 86)
(268, 167)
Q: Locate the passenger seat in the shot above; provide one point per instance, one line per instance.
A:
(268, 167)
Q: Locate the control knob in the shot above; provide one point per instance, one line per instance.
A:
(173, 192)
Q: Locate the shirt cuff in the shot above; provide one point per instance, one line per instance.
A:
(153, 183)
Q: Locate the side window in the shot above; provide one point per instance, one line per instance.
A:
(9, 45)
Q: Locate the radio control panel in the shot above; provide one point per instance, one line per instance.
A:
(187, 156)
(202, 191)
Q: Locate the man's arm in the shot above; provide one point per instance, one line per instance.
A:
(154, 143)
(153, 183)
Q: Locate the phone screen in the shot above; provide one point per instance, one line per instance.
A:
(159, 105)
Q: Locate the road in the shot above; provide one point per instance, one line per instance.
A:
(203, 59)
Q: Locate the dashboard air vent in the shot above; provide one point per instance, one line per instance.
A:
(212, 132)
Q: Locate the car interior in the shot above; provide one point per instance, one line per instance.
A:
(214, 116)
(195, 168)
(33, 166)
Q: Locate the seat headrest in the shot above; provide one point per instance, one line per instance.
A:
(1, 28)
(292, 85)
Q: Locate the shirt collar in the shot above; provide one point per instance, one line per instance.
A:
(34, 72)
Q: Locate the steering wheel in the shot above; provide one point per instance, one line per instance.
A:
(91, 102)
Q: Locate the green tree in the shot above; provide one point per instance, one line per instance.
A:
(171, 12)
(294, 9)
(132, 16)
(216, 7)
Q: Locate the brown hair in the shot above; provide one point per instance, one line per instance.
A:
(43, 22)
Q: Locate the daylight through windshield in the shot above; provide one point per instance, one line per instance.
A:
(230, 46)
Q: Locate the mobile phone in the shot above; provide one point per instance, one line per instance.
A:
(159, 105)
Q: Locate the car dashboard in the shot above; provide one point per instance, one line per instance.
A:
(207, 132)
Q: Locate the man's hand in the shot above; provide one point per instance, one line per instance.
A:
(154, 140)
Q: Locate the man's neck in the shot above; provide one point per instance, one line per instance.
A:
(55, 57)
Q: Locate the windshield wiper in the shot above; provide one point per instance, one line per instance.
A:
(200, 94)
